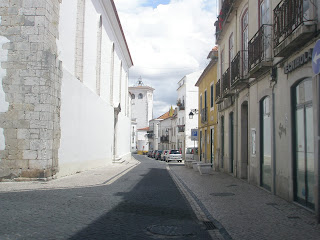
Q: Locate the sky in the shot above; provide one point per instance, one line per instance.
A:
(167, 39)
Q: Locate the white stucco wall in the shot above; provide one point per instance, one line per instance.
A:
(4, 105)
(85, 130)
(67, 34)
(123, 135)
(87, 119)
(90, 45)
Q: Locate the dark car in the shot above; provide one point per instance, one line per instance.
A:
(149, 153)
(154, 153)
(158, 155)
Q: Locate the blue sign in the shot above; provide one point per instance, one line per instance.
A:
(316, 58)
(194, 134)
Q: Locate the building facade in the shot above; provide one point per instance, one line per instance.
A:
(64, 87)
(208, 117)
(187, 100)
(141, 104)
(268, 96)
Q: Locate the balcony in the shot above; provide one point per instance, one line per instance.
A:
(226, 77)
(260, 57)
(239, 70)
(225, 11)
(181, 128)
(294, 22)
(204, 115)
(218, 98)
(180, 105)
(164, 139)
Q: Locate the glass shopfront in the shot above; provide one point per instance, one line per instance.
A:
(304, 178)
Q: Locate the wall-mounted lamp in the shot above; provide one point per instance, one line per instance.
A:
(193, 112)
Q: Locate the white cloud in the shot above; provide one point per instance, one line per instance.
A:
(167, 42)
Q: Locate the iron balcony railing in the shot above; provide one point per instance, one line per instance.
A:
(164, 138)
(289, 15)
(204, 115)
(260, 46)
(239, 67)
(180, 105)
(218, 91)
(181, 128)
(226, 82)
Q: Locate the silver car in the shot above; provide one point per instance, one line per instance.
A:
(173, 155)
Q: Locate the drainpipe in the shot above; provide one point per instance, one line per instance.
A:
(236, 129)
(274, 139)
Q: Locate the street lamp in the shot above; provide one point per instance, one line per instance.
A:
(193, 112)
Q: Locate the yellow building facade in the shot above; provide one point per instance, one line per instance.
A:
(207, 122)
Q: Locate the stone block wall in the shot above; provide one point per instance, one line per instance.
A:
(30, 89)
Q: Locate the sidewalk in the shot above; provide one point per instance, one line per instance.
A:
(94, 177)
(243, 211)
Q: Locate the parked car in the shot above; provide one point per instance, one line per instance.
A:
(174, 155)
(158, 155)
(163, 155)
(192, 153)
(149, 153)
(153, 153)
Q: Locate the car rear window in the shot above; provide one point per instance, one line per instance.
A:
(174, 152)
(189, 151)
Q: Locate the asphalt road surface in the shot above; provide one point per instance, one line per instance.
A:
(144, 203)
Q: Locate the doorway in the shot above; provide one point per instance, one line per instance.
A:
(304, 178)
(212, 145)
(222, 142)
(231, 141)
(244, 141)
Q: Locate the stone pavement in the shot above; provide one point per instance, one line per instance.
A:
(237, 209)
(89, 178)
(243, 211)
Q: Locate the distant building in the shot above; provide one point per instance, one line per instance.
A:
(187, 100)
(208, 117)
(141, 104)
(141, 114)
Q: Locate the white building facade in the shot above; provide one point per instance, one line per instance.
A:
(141, 114)
(73, 96)
(187, 101)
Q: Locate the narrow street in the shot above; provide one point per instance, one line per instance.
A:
(143, 203)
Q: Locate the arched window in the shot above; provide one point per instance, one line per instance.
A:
(140, 96)
(133, 96)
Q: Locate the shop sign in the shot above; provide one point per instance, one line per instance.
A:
(316, 58)
(298, 62)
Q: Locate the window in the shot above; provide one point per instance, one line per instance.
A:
(231, 55)
(140, 96)
(133, 96)
(264, 12)
(205, 99)
(211, 96)
(244, 42)
(222, 61)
